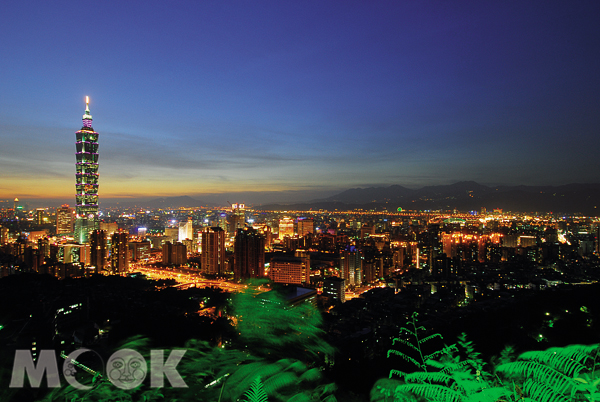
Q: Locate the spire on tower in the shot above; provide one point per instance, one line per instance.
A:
(87, 117)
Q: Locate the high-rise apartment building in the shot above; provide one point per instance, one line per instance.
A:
(249, 254)
(367, 230)
(174, 254)
(64, 220)
(109, 227)
(305, 226)
(86, 178)
(286, 228)
(140, 250)
(213, 258)
(351, 264)
(237, 218)
(74, 254)
(39, 216)
(43, 247)
(98, 250)
(186, 230)
(290, 270)
(335, 287)
(119, 253)
(4, 235)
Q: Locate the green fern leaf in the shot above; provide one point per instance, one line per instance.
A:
(302, 397)
(280, 381)
(312, 375)
(399, 373)
(405, 342)
(256, 393)
(445, 350)
(432, 391)
(430, 337)
(492, 394)
(559, 382)
(543, 393)
(242, 379)
(405, 357)
(404, 329)
(563, 361)
(430, 378)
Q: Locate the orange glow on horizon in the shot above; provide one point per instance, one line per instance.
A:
(115, 187)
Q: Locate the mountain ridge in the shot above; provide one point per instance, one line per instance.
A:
(464, 196)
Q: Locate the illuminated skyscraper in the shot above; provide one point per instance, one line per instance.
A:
(351, 264)
(174, 254)
(286, 228)
(237, 219)
(305, 226)
(186, 230)
(213, 257)
(119, 254)
(249, 251)
(291, 270)
(86, 176)
(334, 287)
(98, 250)
(39, 216)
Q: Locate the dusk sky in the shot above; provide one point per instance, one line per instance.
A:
(299, 99)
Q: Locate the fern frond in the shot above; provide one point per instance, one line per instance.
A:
(559, 382)
(586, 349)
(404, 342)
(296, 366)
(280, 381)
(407, 330)
(543, 393)
(302, 397)
(430, 378)
(330, 398)
(397, 372)
(491, 394)
(562, 359)
(405, 357)
(256, 393)
(445, 350)
(432, 391)
(245, 375)
(312, 375)
(430, 337)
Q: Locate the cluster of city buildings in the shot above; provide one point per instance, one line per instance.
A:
(333, 251)
(325, 250)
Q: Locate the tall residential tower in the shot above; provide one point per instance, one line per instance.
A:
(86, 176)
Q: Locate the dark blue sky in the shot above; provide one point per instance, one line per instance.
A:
(298, 97)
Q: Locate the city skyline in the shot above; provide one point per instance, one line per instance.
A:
(278, 101)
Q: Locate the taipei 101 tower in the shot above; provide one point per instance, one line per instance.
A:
(86, 178)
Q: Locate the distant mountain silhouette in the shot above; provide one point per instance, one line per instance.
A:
(371, 194)
(183, 201)
(464, 196)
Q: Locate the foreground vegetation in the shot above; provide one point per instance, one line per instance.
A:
(279, 354)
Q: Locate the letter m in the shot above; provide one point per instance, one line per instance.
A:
(24, 363)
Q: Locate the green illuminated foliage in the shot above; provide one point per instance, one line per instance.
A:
(270, 328)
(256, 393)
(556, 374)
(414, 346)
(277, 361)
(458, 374)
